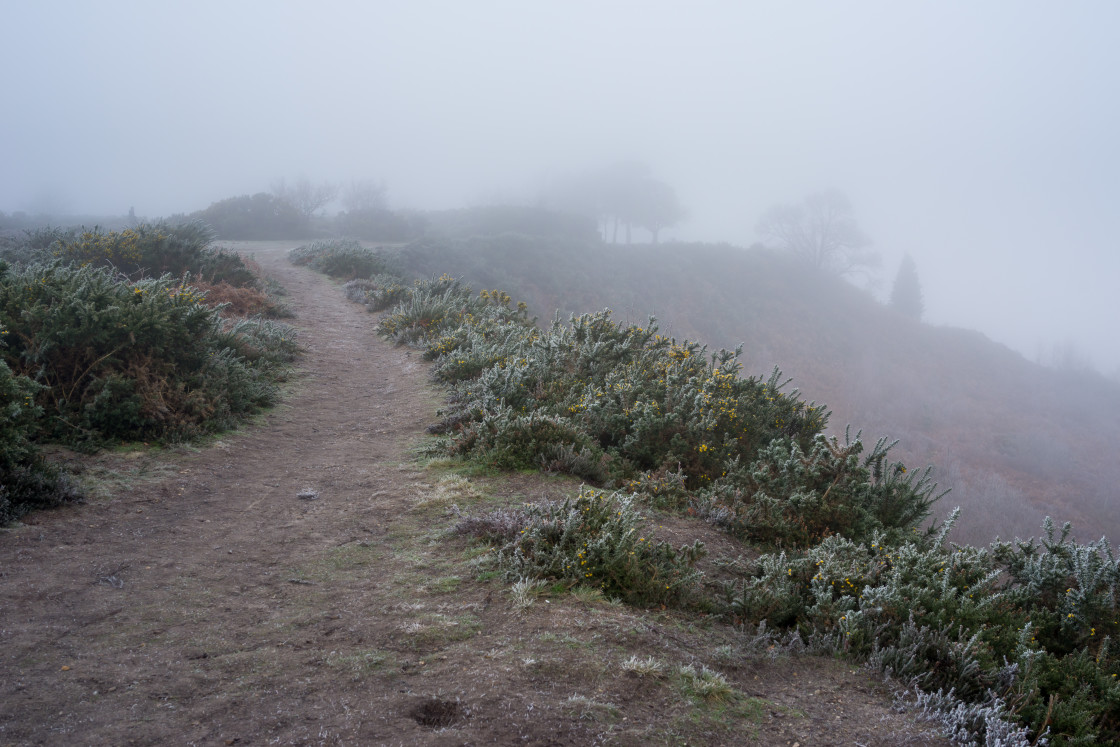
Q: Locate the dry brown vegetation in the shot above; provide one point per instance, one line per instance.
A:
(238, 302)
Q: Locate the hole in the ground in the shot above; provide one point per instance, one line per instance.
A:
(438, 713)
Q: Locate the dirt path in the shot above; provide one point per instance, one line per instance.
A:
(214, 605)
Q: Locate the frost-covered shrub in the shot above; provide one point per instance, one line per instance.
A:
(795, 497)
(132, 361)
(1029, 623)
(437, 313)
(642, 401)
(26, 482)
(594, 539)
(152, 250)
(340, 258)
(378, 292)
(968, 723)
(662, 488)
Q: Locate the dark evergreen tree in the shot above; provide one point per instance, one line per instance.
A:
(906, 296)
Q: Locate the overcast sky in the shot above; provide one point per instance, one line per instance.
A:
(980, 137)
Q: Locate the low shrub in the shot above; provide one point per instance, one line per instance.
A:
(378, 292)
(258, 216)
(221, 267)
(440, 312)
(663, 488)
(643, 401)
(340, 258)
(152, 250)
(26, 481)
(123, 361)
(796, 498)
(1030, 625)
(239, 301)
(594, 539)
(267, 345)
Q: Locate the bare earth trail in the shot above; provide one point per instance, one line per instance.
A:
(213, 605)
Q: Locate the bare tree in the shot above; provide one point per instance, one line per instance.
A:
(364, 194)
(305, 196)
(821, 232)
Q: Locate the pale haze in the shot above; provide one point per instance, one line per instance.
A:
(979, 137)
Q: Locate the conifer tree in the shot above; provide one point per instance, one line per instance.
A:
(906, 295)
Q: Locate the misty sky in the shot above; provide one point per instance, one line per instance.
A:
(980, 137)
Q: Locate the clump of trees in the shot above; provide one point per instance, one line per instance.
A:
(820, 232)
(621, 195)
(304, 196)
(364, 194)
(611, 201)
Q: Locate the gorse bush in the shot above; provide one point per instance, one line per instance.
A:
(794, 497)
(624, 395)
(594, 539)
(132, 361)
(340, 258)
(443, 312)
(90, 357)
(377, 292)
(151, 250)
(622, 404)
(1027, 628)
(26, 482)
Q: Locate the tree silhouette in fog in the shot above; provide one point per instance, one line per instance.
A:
(623, 194)
(821, 232)
(364, 194)
(906, 295)
(305, 196)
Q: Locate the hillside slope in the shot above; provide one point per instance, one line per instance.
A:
(1016, 441)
